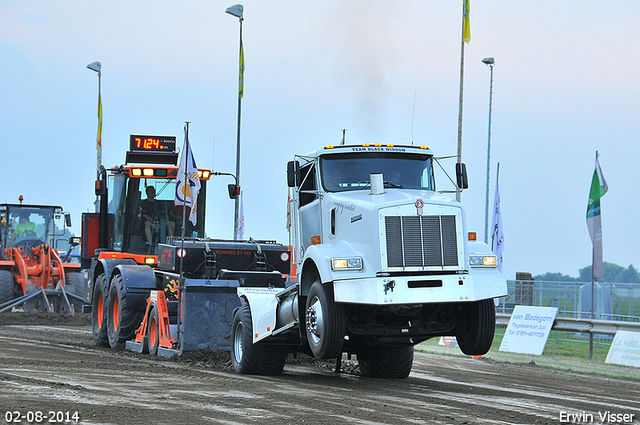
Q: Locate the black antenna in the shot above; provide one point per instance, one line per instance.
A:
(413, 113)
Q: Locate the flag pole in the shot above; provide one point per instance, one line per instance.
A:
(465, 38)
(593, 286)
(493, 231)
(184, 225)
(593, 279)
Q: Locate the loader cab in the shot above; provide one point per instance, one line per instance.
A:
(27, 226)
(141, 205)
(139, 211)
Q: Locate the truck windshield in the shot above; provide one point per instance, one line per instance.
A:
(342, 172)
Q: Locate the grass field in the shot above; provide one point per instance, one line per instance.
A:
(562, 355)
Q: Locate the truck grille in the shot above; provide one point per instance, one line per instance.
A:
(422, 241)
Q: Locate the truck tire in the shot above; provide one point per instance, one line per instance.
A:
(6, 286)
(324, 322)
(74, 283)
(153, 331)
(386, 362)
(122, 321)
(99, 312)
(247, 357)
(475, 329)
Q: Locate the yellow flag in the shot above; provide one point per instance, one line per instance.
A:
(99, 138)
(241, 76)
(466, 27)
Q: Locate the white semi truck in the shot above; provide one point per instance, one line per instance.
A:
(383, 261)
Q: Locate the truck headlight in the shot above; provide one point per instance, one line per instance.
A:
(483, 261)
(354, 263)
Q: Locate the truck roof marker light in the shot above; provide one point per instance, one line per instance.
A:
(366, 145)
(315, 239)
(136, 172)
(377, 145)
(390, 145)
(329, 147)
(473, 236)
(424, 147)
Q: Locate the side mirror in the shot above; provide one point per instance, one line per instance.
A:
(67, 219)
(461, 175)
(234, 191)
(101, 188)
(293, 173)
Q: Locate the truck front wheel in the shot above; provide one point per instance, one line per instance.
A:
(476, 326)
(324, 322)
(247, 357)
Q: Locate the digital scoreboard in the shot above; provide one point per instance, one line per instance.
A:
(152, 143)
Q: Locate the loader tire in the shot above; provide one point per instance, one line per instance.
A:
(122, 321)
(99, 312)
(247, 357)
(324, 322)
(6, 286)
(386, 362)
(476, 327)
(74, 283)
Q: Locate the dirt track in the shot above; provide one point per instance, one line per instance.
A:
(51, 364)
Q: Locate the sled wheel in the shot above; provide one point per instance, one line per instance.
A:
(386, 362)
(153, 331)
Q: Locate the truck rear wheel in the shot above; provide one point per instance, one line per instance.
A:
(99, 312)
(386, 362)
(247, 357)
(476, 327)
(324, 322)
(122, 321)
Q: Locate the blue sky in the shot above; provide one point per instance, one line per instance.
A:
(566, 83)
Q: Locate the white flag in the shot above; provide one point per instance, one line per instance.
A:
(240, 233)
(187, 189)
(497, 236)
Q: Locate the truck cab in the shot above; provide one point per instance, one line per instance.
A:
(383, 261)
(370, 220)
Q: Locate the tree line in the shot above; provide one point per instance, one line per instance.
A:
(612, 273)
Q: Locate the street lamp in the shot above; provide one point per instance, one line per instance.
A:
(488, 61)
(97, 66)
(237, 11)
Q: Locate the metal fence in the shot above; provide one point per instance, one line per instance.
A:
(612, 301)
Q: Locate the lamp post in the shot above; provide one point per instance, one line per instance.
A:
(488, 61)
(237, 11)
(97, 67)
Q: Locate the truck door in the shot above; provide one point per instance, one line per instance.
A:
(309, 211)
